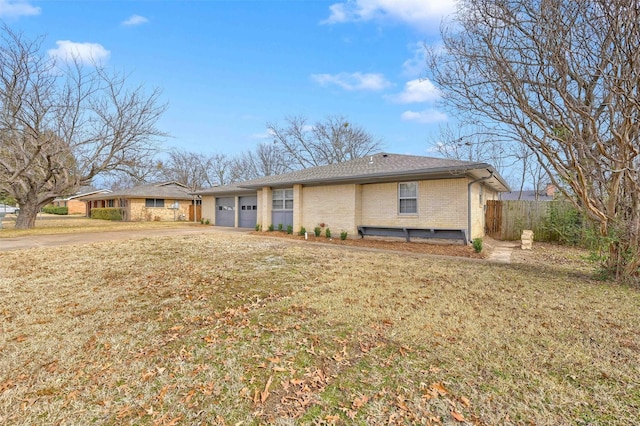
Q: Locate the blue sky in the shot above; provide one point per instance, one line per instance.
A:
(227, 68)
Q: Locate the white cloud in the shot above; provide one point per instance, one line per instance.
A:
(86, 53)
(417, 91)
(135, 20)
(417, 64)
(428, 116)
(17, 8)
(260, 136)
(353, 81)
(414, 12)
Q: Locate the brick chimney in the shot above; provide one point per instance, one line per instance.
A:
(550, 190)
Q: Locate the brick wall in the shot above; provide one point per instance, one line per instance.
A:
(77, 207)
(137, 211)
(333, 205)
(209, 208)
(441, 204)
(264, 207)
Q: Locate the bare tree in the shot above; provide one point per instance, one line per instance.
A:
(193, 170)
(333, 140)
(62, 124)
(266, 160)
(471, 143)
(146, 170)
(221, 168)
(561, 77)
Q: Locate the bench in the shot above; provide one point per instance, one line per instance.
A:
(408, 232)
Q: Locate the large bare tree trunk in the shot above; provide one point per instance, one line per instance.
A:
(28, 213)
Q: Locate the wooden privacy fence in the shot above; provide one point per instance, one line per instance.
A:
(505, 220)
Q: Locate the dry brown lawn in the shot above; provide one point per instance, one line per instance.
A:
(243, 329)
(47, 224)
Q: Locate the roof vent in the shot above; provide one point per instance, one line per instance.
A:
(371, 160)
(385, 155)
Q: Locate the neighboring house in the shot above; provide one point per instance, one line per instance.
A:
(166, 201)
(378, 191)
(74, 203)
(547, 194)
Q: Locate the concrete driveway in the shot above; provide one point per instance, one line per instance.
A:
(54, 240)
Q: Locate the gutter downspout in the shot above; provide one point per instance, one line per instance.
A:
(469, 203)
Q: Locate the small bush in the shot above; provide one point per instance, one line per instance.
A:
(55, 210)
(343, 235)
(258, 227)
(107, 213)
(477, 244)
(207, 221)
(270, 228)
(289, 229)
(302, 231)
(327, 233)
(317, 230)
(280, 227)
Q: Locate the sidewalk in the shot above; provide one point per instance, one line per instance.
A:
(501, 250)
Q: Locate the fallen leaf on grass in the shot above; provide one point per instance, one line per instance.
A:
(125, 412)
(459, 417)
(332, 419)
(359, 402)
(465, 401)
(439, 388)
(401, 403)
(265, 393)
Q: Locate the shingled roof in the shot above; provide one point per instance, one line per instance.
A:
(381, 167)
(222, 190)
(167, 190)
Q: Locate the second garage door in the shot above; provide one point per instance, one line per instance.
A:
(248, 212)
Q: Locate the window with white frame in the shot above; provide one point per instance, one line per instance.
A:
(282, 199)
(408, 198)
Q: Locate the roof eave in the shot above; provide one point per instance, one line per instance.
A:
(431, 173)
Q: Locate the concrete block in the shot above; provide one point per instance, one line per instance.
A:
(527, 239)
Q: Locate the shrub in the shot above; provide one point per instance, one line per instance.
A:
(567, 225)
(107, 213)
(280, 227)
(258, 227)
(289, 229)
(302, 231)
(207, 221)
(343, 235)
(55, 210)
(327, 233)
(477, 244)
(270, 228)
(317, 230)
